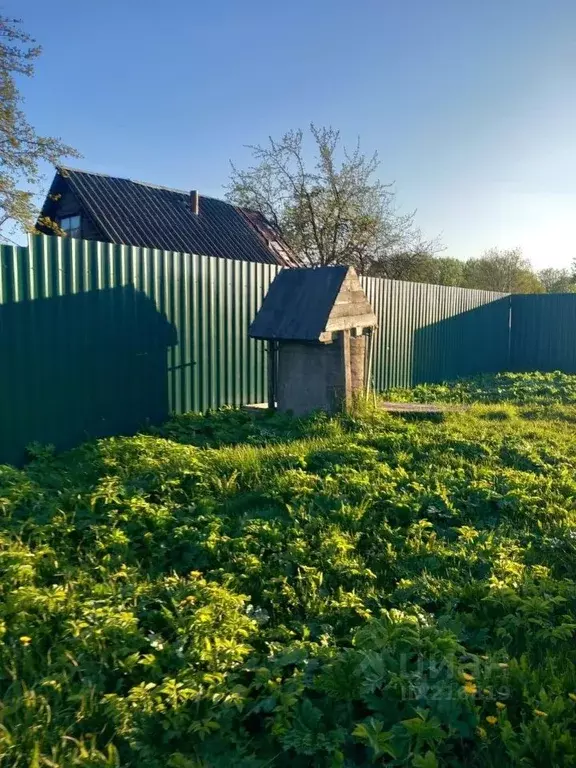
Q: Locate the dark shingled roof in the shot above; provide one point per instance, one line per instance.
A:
(299, 305)
(135, 213)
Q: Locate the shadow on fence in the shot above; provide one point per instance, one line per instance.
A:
(469, 343)
(141, 333)
(81, 366)
(544, 333)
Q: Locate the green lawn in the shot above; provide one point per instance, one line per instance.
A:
(239, 592)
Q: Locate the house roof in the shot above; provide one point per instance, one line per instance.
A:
(136, 213)
(303, 304)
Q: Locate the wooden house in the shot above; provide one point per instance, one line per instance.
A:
(94, 206)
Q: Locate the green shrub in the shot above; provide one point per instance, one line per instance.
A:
(320, 592)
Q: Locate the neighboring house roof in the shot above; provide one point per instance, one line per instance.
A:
(136, 213)
(304, 304)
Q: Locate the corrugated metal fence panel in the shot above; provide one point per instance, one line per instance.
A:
(99, 339)
(431, 333)
(544, 333)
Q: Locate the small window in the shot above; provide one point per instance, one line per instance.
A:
(71, 225)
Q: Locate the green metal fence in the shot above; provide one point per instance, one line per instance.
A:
(99, 339)
(543, 334)
(430, 333)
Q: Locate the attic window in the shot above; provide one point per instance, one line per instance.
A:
(71, 225)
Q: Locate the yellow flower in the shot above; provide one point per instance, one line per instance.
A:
(467, 676)
(539, 713)
(486, 691)
(481, 732)
(25, 640)
(470, 689)
(572, 696)
(491, 719)
(500, 705)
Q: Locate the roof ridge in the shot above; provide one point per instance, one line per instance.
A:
(137, 181)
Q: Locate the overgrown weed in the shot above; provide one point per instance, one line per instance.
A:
(269, 591)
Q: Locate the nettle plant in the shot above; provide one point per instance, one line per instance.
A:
(273, 592)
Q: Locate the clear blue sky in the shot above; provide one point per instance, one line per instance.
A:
(470, 103)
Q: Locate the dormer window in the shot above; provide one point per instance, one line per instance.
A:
(71, 225)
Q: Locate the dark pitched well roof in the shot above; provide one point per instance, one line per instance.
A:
(136, 213)
(302, 304)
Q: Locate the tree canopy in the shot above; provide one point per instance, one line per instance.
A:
(557, 280)
(502, 270)
(506, 271)
(22, 150)
(331, 208)
(422, 267)
(328, 204)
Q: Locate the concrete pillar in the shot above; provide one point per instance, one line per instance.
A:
(357, 364)
(346, 400)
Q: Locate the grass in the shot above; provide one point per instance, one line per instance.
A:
(519, 388)
(324, 592)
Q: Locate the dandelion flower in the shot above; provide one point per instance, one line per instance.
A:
(539, 713)
(500, 705)
(481, 732)
(25, 640)
(470, 689)
(468, 676)
(491, 719)
(572, 696)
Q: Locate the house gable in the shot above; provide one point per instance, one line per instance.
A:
(62, 202)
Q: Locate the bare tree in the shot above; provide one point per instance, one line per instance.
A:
(330, 209)
(21, 148)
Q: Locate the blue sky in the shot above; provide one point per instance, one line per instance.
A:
(469, 103)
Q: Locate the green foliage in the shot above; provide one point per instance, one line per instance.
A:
(328, 592)
(23, 150)
(542, 392)
(502, 270)
(505, 271)
(557, 280)
(421, 266)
